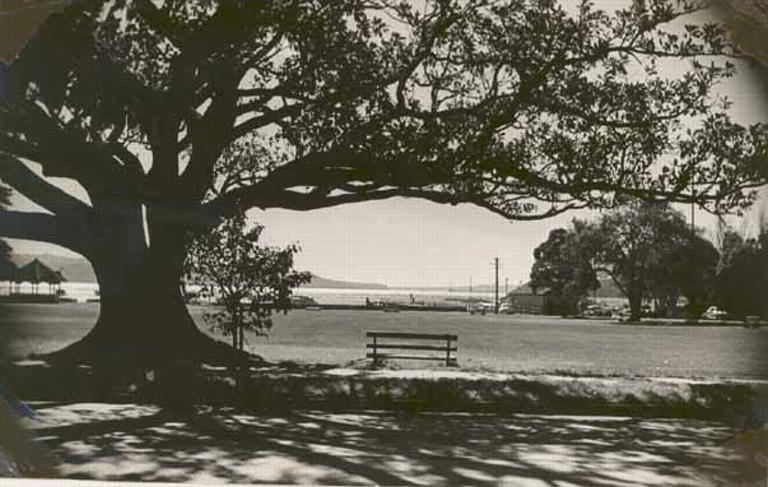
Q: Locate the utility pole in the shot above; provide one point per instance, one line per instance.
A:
(506, 286)
(693, 207)
(496, 262)
(693, 226)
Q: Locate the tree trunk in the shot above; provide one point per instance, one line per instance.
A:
(635, 303)
(143, 323)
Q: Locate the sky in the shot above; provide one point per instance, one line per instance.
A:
(416, 243)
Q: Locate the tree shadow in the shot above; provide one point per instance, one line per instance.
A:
(116, 442)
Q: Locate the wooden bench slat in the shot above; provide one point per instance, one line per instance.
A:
(443, 350)
(436, 348)
(410, 357)
(414, 336)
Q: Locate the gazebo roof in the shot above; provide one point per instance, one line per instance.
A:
(36, 271)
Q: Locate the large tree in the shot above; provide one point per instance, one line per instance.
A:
(650, 251)
(563, 264)
(174, 114)
(686, 266)
(742, 277)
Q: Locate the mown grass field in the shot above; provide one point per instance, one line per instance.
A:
(503, 343)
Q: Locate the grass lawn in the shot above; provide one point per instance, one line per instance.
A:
(504, 342)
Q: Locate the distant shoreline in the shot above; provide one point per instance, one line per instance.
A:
(78, 270)
(84, 291)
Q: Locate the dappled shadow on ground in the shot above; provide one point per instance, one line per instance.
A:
(124, 442)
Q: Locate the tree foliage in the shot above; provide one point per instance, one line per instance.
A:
(563, 266)
(524, 107)
(6, 265)
(649, 251)
(249, 280)
(742, 278)
(686, 266)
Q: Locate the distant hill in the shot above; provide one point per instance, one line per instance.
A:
(75, 269)
(321, 282)
(607, 289)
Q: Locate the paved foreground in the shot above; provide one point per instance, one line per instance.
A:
(130, 442)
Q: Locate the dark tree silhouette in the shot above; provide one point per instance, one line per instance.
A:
(686, 266)
(742, 276)
(522, 107)
(6, 265)
(563, 264)
(650, 251)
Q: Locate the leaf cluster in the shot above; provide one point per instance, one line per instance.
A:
(563, 266)
(249, 281)
(742, 276)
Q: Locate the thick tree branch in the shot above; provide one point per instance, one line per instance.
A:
(264, 196)
(211, 134)
(604, 120)
(25, 181)
(72, 234)
(65, 152)
(126, 157)
(268, 117)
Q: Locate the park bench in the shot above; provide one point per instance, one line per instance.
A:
(379, 341)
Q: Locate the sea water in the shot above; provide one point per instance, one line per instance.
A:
(85, 291)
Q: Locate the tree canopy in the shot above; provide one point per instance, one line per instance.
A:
(524, 107)
(650, 251)
(646, 248)
(742, 276)
(686, 266)
(563, 264)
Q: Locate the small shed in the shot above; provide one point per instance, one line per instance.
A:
(527, 301)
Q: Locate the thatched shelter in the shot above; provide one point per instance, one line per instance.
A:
(35, 273)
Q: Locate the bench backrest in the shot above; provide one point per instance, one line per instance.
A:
(448, 345)
(411, 336)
